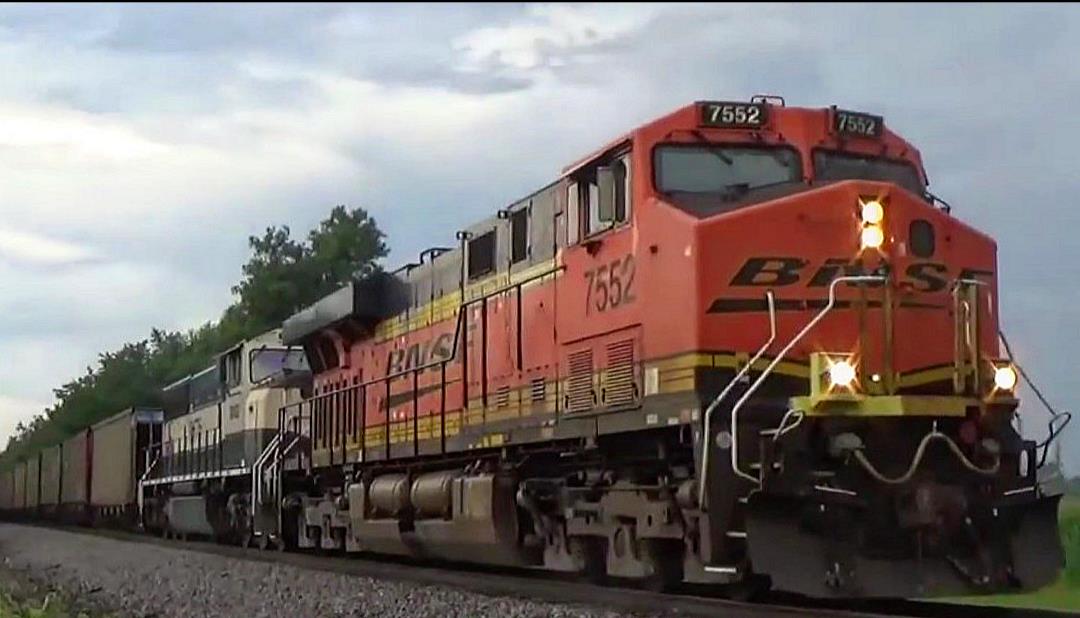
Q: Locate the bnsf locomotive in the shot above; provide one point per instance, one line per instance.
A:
(741, 344)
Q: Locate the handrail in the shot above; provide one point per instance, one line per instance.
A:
(707, 440)
(256, 470)
(776, 361)
(140, 496)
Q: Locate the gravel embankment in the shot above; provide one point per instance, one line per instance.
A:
(140, 579)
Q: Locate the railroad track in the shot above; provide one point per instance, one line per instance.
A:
(544, 586)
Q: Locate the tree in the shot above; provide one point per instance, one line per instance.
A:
(284, 276)
(346, 245)
(281, 277)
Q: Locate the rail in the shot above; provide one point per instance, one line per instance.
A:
(776, 361)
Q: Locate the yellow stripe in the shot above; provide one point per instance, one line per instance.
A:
(676, 375)
(446, 306)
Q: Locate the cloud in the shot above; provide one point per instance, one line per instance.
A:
(14, 410)
(39, 250)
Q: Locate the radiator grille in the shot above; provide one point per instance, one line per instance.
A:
(539, 390)
(502, 397)
(579, 387)
(619, 387)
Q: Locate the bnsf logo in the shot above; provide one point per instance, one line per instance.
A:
(420, 353)
(785, 271)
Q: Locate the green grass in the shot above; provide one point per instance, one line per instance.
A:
(1065, 593)
(51, 606)
(22, 596)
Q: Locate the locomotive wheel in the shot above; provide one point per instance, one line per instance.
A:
(592, 554)
(667, 563)
(749, 589)
(245, 539)
(264, 541)
(290, 523)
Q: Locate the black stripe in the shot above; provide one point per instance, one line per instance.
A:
(749, 305)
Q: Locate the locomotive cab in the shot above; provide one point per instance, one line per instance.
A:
(857, 407)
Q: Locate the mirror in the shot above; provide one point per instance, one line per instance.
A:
(605, 180)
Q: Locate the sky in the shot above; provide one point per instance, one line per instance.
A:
(140, 146)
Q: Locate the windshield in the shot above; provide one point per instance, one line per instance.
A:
(830, 165)
(269, 362)
(729, 170)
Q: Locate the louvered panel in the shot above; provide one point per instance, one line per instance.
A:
(619, 385)
(538, 390)
(502, 397)
(579, 386)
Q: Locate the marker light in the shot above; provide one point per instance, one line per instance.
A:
(841, 373)
(1005, 378)
(872, 237)
(873, 212)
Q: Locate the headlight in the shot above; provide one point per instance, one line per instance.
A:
(872, 212)
(872, 237)
(1005, 378)
(841, 373)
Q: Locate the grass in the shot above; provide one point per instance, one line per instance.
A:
(1065, 593)
(49, 607)
(22, 596)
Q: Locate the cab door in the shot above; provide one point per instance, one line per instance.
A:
(599, 319)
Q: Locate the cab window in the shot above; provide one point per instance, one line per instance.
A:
(232, 369)
(599, 197)
(831, 165)
(729, 172)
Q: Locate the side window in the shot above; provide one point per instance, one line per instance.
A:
(482, 255)
(232, 369)
(519, 235)
(621, 170)
(591, 192)
(599, 198)
(573, 215)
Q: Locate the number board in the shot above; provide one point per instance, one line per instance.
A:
(858, 124)
(730, 115)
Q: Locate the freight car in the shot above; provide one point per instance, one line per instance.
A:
(740, 345)
(91, 478)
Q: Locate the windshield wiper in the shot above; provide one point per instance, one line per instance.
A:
(737, 190)
(716, 152)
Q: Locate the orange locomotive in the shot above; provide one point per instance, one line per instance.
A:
(739, 345)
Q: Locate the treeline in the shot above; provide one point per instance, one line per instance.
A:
(281, 276)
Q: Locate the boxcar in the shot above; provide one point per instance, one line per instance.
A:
(116, 462)
(7, 487)
(33, 483)
(50, 480)
(19, 492)
(75, 477)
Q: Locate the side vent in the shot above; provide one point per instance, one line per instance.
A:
(579, 396)
(502, 397)
(619, 385)
(538, 390)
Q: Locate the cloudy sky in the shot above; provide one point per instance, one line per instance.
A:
(141, 145)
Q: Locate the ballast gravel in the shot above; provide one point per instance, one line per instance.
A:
(151, 580)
